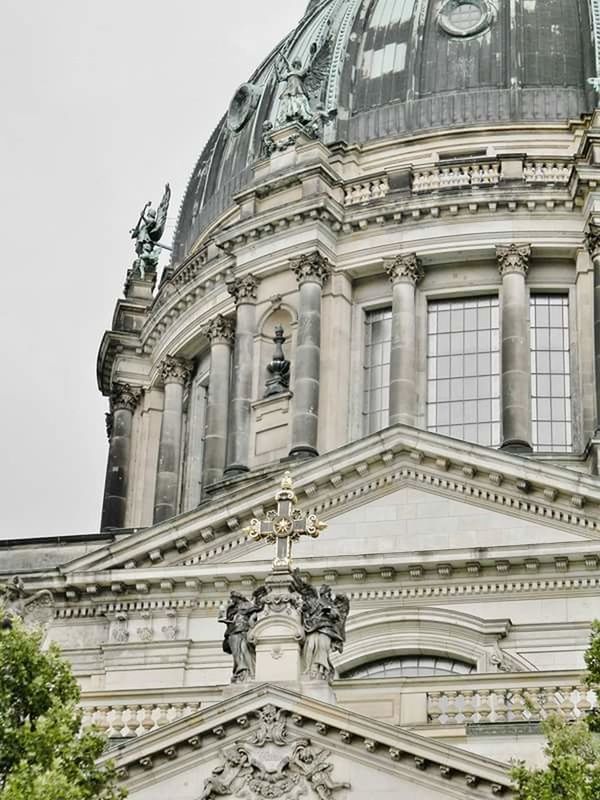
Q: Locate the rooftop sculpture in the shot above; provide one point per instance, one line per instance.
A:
(147, 234)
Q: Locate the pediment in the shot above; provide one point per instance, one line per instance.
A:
(401, 491)
(271, 739)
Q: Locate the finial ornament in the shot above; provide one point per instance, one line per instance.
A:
(147, 234)
(404, 269)
(285, 525)
(513, 258)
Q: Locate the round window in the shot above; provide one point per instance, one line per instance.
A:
(465, 17)
(242, 106)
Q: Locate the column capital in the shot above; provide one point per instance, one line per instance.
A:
(123, 396)
(404, 269)
(175, 370)
(592, 239)
(220, 330)
(513, 258)
(311, 268)
(243, 290)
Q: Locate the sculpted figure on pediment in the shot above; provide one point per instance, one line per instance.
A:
(17, 603)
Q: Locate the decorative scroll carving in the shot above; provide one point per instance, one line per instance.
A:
(592, 240)
(243, 290)
(175, 370)
(271, 763)
(311, 267)
(124, 397)
(404, 269)
(17, 603)
(513, 258)
(278, 368)
(220, 330)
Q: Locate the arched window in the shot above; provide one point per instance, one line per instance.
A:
(408, 666)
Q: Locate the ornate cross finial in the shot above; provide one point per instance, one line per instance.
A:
(285, 525)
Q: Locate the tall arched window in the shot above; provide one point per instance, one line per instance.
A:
(410, 666)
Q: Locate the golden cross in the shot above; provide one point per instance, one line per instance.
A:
(285, 525)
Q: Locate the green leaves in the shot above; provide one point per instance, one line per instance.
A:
(572, 750)
(42, 754)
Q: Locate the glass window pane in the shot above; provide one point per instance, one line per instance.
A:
(463, 369)
(550, 374)
(378, 343)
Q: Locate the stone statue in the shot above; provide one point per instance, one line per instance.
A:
(147, 234)
(229, 776)
(324, 615)
(239, 618)
(300, 84)
(17, 603)
(315, 767)
(278, 368)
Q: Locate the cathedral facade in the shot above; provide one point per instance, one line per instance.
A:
(382, 316)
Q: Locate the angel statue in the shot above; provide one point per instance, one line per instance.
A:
(16, 603)
(324, 616)
(300, 84)
(239, 618)
(147, 233)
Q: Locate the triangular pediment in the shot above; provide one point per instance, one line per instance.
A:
(270, 736)
(439, 494)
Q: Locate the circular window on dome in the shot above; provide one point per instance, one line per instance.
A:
(242, 106)
(465, 17)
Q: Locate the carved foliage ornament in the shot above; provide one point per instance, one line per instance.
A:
(243, 290)
(465, 17)
(514, 258)
(271, 763)
(124, 397)
(312, 267)
(175, 370)
(404, 269)
(592, 238)
(220, 330)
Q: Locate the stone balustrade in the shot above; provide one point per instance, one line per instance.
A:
(121, 720)
(516, 704)
(453, 176)
(547, 171)
(365, 190)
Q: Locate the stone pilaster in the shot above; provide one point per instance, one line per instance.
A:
(593, 245)
(243, 291)
(311, 273)
(513, 263)
(123, 402)
(174, 374)
(405, 272)
(221, 333)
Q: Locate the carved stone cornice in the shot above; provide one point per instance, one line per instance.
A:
(513, 258)
(404, 269)
(123, 397)
(243, 290)
(220, 330)
(592, 240)
(311, 268)
(175, 370)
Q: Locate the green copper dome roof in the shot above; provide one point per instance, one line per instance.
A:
(388, 68)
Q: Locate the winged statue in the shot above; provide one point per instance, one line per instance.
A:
(17, 603)
(147, 234)
(303, 84)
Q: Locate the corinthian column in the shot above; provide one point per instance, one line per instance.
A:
(123, 402)
(311, 273)
(593, 244)
(244, 294)
(404, 272)
(513, 263)
(220, 332)
(174, 373)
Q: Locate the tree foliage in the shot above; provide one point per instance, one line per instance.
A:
(572, 750)
(43, 756)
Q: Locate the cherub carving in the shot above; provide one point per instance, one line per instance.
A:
(16, 603)
(302, 83)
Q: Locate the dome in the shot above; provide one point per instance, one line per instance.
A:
(393, 68)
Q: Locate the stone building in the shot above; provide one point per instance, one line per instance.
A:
(386, 280)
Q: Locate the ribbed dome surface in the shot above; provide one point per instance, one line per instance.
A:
(396, 67)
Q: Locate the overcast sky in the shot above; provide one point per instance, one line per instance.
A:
(102, 102)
